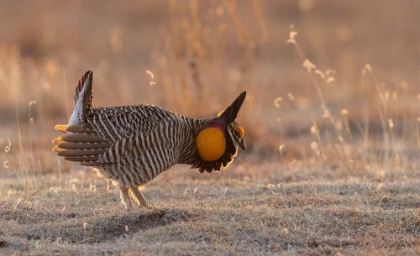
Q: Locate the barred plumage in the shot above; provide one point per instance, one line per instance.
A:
(131, 145)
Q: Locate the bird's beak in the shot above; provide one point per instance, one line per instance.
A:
(242, 144)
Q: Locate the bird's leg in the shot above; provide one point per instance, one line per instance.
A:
(141, 201)
(125, 199)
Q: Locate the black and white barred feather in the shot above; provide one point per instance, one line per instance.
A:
(134, 144)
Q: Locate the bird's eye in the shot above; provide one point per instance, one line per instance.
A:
(238, 132)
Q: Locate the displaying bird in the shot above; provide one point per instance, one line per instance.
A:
(131, 145)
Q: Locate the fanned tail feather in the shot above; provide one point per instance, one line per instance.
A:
(83, 100)
(84, 89)
(80, 144)
(61, 128)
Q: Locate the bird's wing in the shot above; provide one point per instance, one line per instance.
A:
(117, 123)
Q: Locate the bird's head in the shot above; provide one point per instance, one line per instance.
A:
(237, 133)
(222, 135)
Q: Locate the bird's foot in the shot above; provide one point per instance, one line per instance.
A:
(153, 208)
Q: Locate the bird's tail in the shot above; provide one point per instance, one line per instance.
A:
(83, 100)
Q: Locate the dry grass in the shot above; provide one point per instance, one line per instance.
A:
(331, 118)
(217, 214)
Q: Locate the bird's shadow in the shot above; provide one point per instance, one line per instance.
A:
(115, 227)
(110, 228)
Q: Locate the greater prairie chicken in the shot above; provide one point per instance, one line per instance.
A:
(131, 145)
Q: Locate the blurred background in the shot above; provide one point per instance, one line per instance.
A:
(331, 83)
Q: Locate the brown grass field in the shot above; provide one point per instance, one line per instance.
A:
(332, 121)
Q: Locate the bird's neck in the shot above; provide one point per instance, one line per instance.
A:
(217, 125)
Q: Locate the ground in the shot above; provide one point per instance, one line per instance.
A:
(221, 213)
